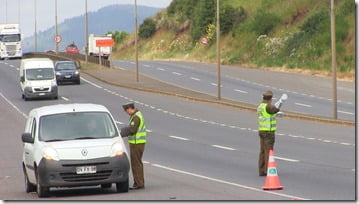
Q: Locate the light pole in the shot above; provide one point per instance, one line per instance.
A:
(18, 10)
(56, 30)
(218, 55)
(86, 34)
(136, 51)
(334, 62)
(35, 35)
(5, 11)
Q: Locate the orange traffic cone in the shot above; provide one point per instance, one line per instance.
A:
(272, 179)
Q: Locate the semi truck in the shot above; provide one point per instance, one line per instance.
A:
(10, 41)
(93, 50)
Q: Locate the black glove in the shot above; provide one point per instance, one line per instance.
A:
(125, 131)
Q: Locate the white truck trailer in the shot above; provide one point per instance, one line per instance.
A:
(10, 41)
(95, 51)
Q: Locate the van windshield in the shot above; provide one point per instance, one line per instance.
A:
(40, 74)
(76, 125)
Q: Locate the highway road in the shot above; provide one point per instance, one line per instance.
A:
(195, 151)
(307, 94)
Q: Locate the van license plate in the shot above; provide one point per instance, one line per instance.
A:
(86, 170)
(67, 76)
(41, 94)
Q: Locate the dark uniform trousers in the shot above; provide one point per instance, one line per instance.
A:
(267, 143)
(136, 152)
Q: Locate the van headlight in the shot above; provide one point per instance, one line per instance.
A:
(77, 72)
(116, 149)
(50, 153)
(58, 74)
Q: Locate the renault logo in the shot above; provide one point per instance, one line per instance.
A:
(84, 152)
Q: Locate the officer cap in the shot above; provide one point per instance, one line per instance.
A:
(128, 105)
(268, 94)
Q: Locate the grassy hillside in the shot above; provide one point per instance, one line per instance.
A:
(276, 34)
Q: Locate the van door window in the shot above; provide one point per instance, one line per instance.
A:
(33, 128)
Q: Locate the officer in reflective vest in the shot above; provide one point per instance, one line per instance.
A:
(267, 125)
(137, 137)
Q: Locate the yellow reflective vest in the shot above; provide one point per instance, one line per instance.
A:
(140, 136)
(266, 121)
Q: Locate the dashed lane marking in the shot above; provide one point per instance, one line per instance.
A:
(240, 91)
(301, 104)
(176, 73)
(286, 159)
(64, 98)
(345, 112)
(178, 138)
(223, 147)
(196, 79)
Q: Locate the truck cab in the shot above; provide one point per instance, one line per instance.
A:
(10, 41)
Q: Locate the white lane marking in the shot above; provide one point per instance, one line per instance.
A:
(286, 159)
(179, 138)
(223, 147)
(305, 105)
(148, 130)
(196, 79)
(240, 91)
(345, 112)
(146, 65)
(17, 68)
(64, 98)
(93, 84)
(176, 73)
(13, 105)
(226, 182)
(161, 69)
(121, 123)
(214, 84)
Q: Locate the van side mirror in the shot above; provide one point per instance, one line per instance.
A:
(22, 78)
(27, 138)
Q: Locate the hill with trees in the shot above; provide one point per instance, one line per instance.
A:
(279, 34)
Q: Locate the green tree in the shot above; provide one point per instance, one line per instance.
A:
(147, 28)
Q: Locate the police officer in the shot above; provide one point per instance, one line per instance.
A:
(267, 125)
(136, 133)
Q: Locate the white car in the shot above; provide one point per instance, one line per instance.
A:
(70, 145)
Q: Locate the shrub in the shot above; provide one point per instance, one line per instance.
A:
(263, 22)
(147, 28)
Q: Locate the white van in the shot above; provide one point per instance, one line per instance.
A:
(70, 145)
(37, 78)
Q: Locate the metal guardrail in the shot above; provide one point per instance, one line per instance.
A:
(69, 56)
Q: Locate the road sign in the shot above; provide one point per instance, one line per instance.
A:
(105, 43)
(57, 38)
(203, 40)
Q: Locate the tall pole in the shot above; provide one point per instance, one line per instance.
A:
(5, 11)
(136, 51)
(35, 35)
(334, 63)
(56, 30)
(18, 11)
(218, 55)
(86, 33)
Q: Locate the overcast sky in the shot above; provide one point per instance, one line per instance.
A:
(65, 8)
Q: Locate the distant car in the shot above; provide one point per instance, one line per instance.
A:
(72, 48)
(50, 51)
(70, 145)
(67, 71)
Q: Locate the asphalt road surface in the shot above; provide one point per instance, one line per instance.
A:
(307, 94)
(195, 151)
